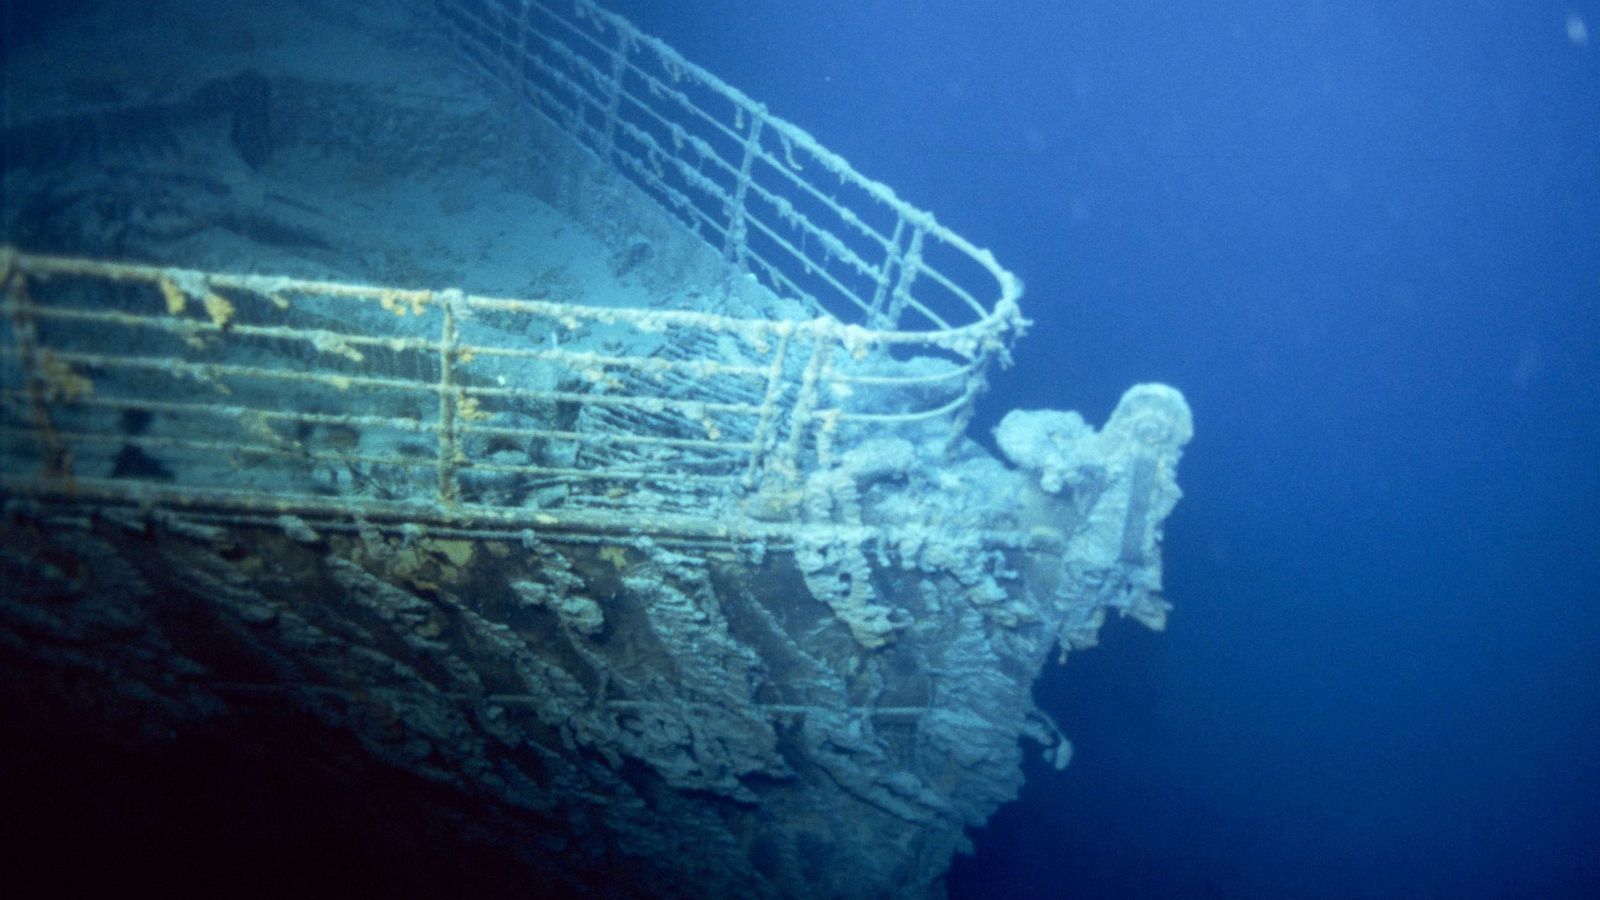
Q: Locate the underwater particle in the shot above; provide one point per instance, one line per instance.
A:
(1577, 30)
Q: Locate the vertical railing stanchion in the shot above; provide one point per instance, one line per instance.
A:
(619, 69)
(733, 247)
(769, 409)
(787, 463)
(507, 50)
(875, 316)
(449, 400)
(526, 39)
(54, 455)
(910, 265)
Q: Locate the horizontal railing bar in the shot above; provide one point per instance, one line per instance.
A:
(674, 476)
(235, 412)
(342, 382)
(403, 423)
(604, 438)
(194, 327)
(266, 286)
(701, 368)
(649, 321)
(147, 440)
(331, 340)
(967, 397)
(428, 461)
(206, 371)
(648, 404)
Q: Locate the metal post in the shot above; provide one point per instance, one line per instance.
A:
(875, 317)
(619, 68)
(733, 248)
(449, 400)
(769, 408)
(910, 265)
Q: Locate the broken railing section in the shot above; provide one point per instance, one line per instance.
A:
(757, 188)
(251, 391)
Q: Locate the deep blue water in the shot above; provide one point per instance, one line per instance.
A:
(1364, 239)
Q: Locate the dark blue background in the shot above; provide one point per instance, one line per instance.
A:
(1364, 239)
